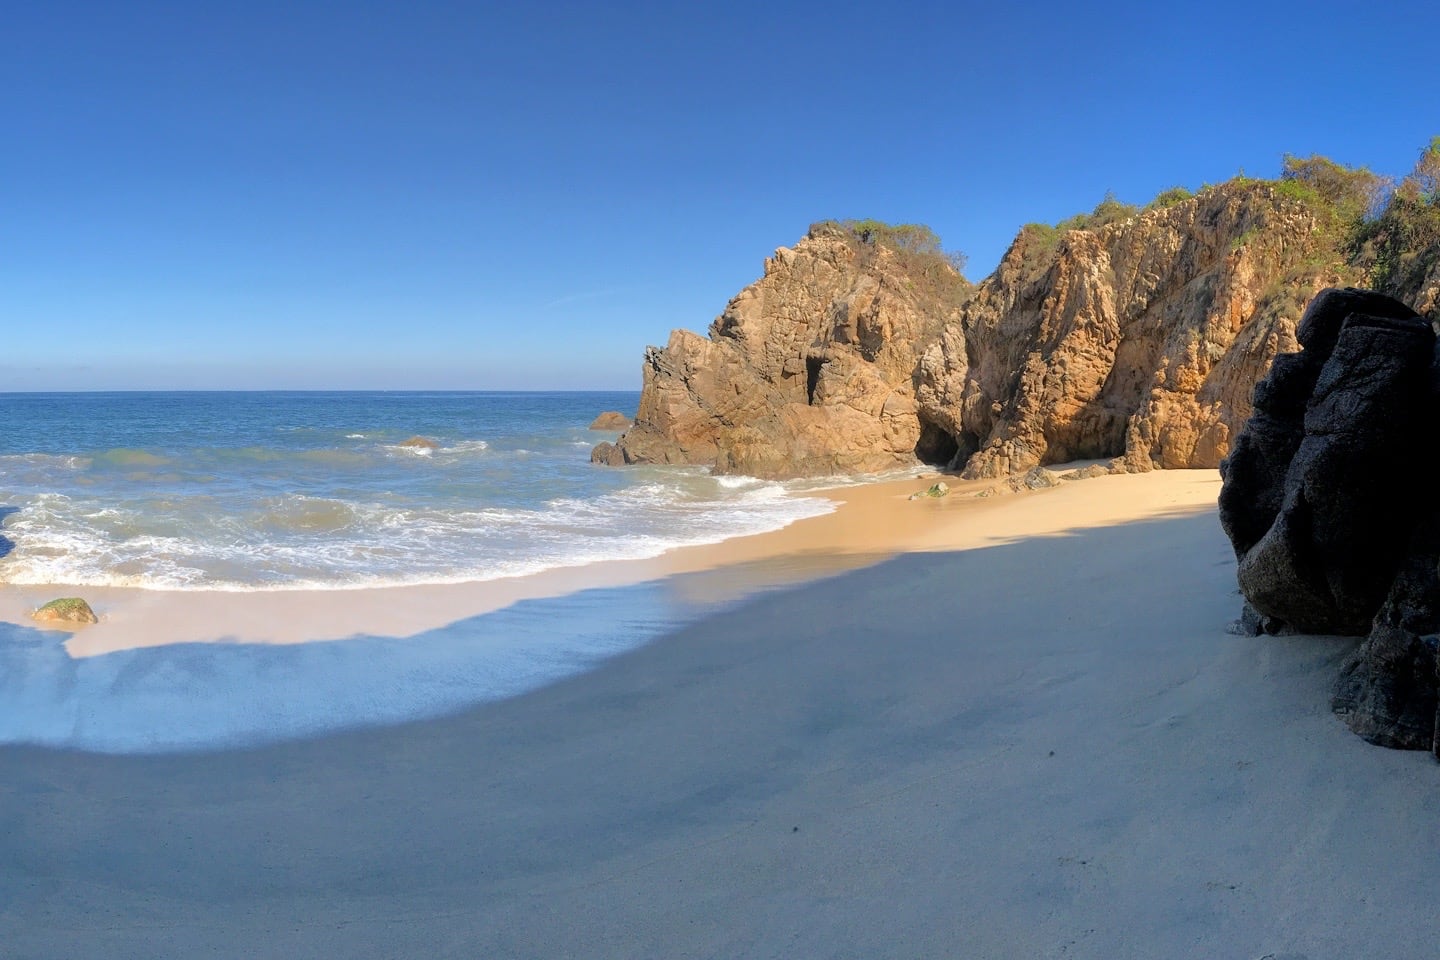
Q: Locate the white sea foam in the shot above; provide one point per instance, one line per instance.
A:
(263, 494)
(295, 542)
(737, 481)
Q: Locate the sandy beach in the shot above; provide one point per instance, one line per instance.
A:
(1008, 728)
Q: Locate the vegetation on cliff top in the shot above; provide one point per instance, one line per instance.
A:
(1400, 246)
(1382, 232)
(1371, 229)
(931, 271)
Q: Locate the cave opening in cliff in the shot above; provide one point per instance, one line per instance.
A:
(936, 446)
(812, 377)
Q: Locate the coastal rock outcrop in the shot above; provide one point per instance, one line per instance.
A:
(610, 420)
(1331, 532)
(1137, 339)
(808, 371)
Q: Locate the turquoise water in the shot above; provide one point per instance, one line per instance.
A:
(277, 490)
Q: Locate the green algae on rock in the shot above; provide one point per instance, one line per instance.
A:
(66, 610)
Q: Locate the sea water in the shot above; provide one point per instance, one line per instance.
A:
(275, 491)
(278, 491)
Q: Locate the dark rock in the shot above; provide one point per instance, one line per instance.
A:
(1330, 535)
(1387, 691)
(1309, 501)
(1326, 561)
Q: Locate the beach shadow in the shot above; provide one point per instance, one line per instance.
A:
(222, 694)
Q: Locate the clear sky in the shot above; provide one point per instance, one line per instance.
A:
(522, 196)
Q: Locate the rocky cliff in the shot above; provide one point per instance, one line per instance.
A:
(1138, 340)
(809, 371)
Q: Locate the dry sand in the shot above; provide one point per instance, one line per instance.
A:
(1024, 735)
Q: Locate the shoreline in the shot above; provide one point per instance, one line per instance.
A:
(872, 521)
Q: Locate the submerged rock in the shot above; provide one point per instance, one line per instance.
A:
(66, 610)
(1332, 532)
(420, 443)
(608, 454)
(610, 420)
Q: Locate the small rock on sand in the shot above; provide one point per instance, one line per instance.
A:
(66, 610)
(936, 491)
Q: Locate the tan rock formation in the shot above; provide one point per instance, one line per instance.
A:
(610, 420)
(809, 371)
(1139, 341)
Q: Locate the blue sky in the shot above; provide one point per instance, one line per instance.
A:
(435, 195)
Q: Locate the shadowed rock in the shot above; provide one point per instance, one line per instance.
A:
(1332, 533)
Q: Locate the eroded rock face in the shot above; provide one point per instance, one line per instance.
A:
(809, 371)
(1331, 531)
(1140, 341)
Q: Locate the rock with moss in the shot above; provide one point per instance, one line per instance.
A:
(935, 491)
(66, 610)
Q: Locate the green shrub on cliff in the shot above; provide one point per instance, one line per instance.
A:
(917, 244)
(1168, 198)
(1040, 240)
(1351, 193)
(1399, 247)
(1107, 211)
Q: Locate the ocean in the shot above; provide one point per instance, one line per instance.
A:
(283, 491)
(300, 490)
